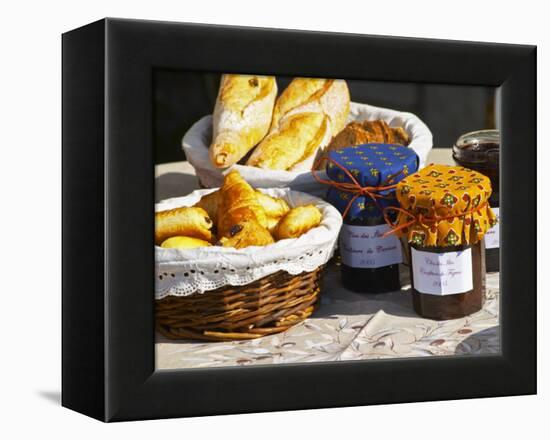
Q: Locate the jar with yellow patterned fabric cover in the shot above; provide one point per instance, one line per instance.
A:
(444, 214)
(362, 184)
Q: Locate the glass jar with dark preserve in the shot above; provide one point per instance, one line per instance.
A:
(363, 275)
(369, 261)
(480, 151)
(445, 216)
(455, 305)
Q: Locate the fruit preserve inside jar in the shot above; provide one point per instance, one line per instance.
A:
(369, 261)
(447, 282)
(480, 151)
(362, 186)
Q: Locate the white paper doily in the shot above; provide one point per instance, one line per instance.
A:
(197, 140)
(182, 272)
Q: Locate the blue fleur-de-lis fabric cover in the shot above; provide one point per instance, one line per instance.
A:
(371, 165)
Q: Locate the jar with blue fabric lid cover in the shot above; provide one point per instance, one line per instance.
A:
(362, 183)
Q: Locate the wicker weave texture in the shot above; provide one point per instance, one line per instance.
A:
(267, 306)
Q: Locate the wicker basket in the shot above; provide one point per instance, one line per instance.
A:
(269, 305)
(196, 143)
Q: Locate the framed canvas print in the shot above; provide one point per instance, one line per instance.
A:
(262, 219)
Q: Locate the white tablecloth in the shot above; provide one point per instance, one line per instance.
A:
(347, 325)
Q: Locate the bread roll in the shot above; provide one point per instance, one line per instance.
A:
(189, 222)
(298, 221)
(296, 138)
(184, 243)
(242, 116)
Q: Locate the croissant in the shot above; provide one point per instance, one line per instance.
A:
(190, 222)
(247, 233)
(296, 138)
(242, 116)
(274, 207)
(209, 203)
(239, 209)
(298, 221)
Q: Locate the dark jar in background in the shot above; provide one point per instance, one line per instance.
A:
(452, 297)
(480, 151)
(374, 272)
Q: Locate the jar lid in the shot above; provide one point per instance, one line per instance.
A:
(478, 147)
(372, 165)
(444, 206)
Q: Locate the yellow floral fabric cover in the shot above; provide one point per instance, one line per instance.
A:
(441, 191)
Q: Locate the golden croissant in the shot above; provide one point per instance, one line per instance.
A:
(242, 220)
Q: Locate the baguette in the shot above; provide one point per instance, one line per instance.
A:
(296, 138)
(306, 116)
(242, 116)
(327, 96)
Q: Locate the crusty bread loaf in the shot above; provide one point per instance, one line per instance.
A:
(378, 131)
(296, 138)
(242, 116)
(327, 96)
(307, 115)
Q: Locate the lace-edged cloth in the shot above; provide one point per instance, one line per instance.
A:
(182, 272)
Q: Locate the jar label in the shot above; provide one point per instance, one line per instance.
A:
(445, 273)
(364, 247)
(492, 237)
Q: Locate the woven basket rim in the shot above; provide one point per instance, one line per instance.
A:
(269, 305)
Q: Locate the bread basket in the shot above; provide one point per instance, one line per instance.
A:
(217, 293)
(197, 140)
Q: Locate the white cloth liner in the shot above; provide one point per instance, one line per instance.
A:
(182, 272)
(197, 140)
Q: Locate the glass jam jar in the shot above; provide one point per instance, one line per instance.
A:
(362, 271)
(430, 299)
(480, 151)
(369, 261)
(444, 215)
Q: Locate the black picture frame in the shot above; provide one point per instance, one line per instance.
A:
(108, 195)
